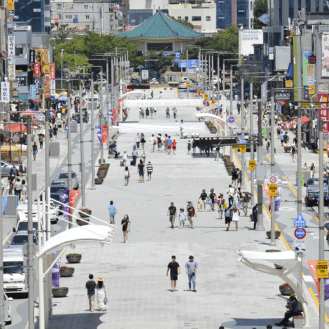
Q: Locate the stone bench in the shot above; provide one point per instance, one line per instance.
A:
(298, 321)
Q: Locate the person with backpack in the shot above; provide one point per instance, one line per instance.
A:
(153, 143)
(228, 216)
(213, 198)
(113, 210)
(190, 213)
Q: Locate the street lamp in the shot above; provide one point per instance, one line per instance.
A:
(62, 51)
(187, 47)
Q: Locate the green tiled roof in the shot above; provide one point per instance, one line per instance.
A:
(160, 26)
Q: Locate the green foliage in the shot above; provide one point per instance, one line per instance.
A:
(60, 36)
(160, 65)
(260, 8)
(183, 22)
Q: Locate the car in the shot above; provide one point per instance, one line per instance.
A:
(135, 81)
(56, 192)
(181, 85)
(99, 82)
(64, 175)
(6, 167)
(22, 225)
(54, 210)
(20, 238)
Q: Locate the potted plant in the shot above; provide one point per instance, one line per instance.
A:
(102, 170)
(73, 258)
(286, 290)
(66, 271)
(83, 221)
(85, 212)
(99, 181)
(60, 291)
(277, 234)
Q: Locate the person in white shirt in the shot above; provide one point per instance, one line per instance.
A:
(152, 139)
(124, 158)
(138, 139)
(230, 193)
(182, 218)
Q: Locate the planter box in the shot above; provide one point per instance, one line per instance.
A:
(98, 181)
(74, 259)
(277, 234)
(66, 272)
(82, 222)
(60, 292)
(85, 213)
(286, 291)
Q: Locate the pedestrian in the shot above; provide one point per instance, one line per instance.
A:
(191, 267)
(18, 187)
(235, 177)
(51, 133)
(35, 150)
(125, 228)
(189, 146)
(182, 218)
(143, 156)
(141, 169)
(235, 218)
(281, 137)
(169, 144)
(167, 113)
(147, 113)
(230, 193)
(124, 158)
(149, 168)
(101, 293)
(165, 142)
(202, 198)
(152, 112)
(268, 146)
(286, 138)
(143, 141)
(312, 169)
(41, 141)
(245, 202)
(238, 107)
(90, 286)
(172, 213)
(221, 205)
(293, 153)
(140, 113)
(138, 139)
(127, 176)
(174, 112)
(159, 140)
(134, 154)
(190, 213)
(113, 211)
(255, 216)
(55, 130)
(228, 216)
(174, 268)
(174, 145)
(217, 153)
(213, 198)
(236, 200)
(152, 142)
(239, 174)
(24, 190)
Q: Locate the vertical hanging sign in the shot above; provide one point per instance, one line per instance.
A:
(52, 71)
(5, 93)
(37, 69)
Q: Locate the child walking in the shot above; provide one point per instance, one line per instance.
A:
(182, 218)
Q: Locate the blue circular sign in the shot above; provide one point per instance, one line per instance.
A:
(165, 54)
(300, 233)
(231, 120)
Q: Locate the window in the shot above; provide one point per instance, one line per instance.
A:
(36, 10)
(87, 26)
(179, 17)
(18, 52)
(59, 16)
(111, 17)
(87, 16)
(86, 6)
(186, 18)
(159, 46)
(208, 18)
(68, 17)
(250, 5)
(196, 18)
(75, 16)
(59, 6)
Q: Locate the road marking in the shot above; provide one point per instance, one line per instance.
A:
(245, 128)
(317, 302)
(268, 158)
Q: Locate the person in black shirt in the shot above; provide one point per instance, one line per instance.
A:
(203, 198)
(174, 268)
(125, 229)
(172, 213)
(35, 150)
(55, 129)
(213, 198)
(293, 310)
(141, 169)
(90, 286)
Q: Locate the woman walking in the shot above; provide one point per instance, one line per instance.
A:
(182, 218)
(245, 201)
(293, 153)
(143, 141)
(18, 187)
(220, 202)
(24, 190)
(235, 219)
(312, 170)
(228, 217)
(127, 175)
(203, 198)
(101, 293)
(213, 198)
(125, 229)
(234, 177)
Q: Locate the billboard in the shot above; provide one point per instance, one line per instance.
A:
(247, 38)
(5, 93)
(323, 113)
(33, 91)
(52, 71)
(37, 69)
(11, 47)
(325, 55)
(306, 54)
(310, 74)
(145, 74)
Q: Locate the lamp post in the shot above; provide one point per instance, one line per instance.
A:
(199, 53)
(231, 82)
(62, 51)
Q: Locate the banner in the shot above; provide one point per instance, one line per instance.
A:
(5, 92)
(73, 197)
(105, 134)
(65, 200)
(325, 55)
(323, 113)
(11, 70)
(37, 69)
(52, 71)
(277, 199)
(132, 103)
(55, 271)
(115, 114)
(33, 91)
(52, 87)
(32, 56)
(10, 5)
(11, 47)
(313, 264)
(99, 133)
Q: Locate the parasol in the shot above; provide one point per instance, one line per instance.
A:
(63, 93)
(247, 193)
(17, 128)
(41, 135)
(28, 112)
(62, 99)
(305, 119)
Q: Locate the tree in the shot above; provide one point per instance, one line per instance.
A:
(60, 36)
(183, 22)
(260, 8)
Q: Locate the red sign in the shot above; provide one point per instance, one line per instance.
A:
(311, 59)
(323, 112)
(37, 69)
(115, 114)
(313, 265)
(73, 197)
(105, 134)
(52, 71)
(300, 233)
(129, 27)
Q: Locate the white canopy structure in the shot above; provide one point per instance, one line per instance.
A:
(163, 103)
(204, 115)
(134, 92)
(290, 263)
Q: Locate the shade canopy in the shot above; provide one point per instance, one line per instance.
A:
(18, 128)
(28, 112)
(78, 235)
(305, 119)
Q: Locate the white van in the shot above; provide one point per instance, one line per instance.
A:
(13, 272)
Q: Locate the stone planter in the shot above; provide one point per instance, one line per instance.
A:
(84, 221)
(277, 234)
(66, 271)
(98, 181)
(60, 292)
(286, 290)
(85, 213)
(100, 161)
(73, 258)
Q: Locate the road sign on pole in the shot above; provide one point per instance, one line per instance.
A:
(252, 164)
(273, 189)
(300, 221)
(177, 54)
(322, 269)
(230, 120)
(165, 54)
(300, 233)
(273, 178)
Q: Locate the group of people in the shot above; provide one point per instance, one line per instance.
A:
(15, 185)
(92, 287)
(174, 112)
(189, 215)
(148, 112)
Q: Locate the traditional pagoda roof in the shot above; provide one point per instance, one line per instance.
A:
(160, 26)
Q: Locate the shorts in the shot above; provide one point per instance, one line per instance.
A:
(172, 217)
(141, 173)
(91, 297)
(228, 220)
(174, 148)
(173, 277)
(168, 147)
(34, 153)
(149, 173)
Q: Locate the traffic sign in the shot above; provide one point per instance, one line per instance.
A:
(252, 164)
(187, 83)
(300, 245)
(300, 221)
(213, 102)
(230, 120)
(205, 96)
(236, 147)
(165, 54)
(273, 189)
(177, 54)
(322, 269)
(243, 148)
(300, 233)
(264, 132)
(202, 92)
(273, 179)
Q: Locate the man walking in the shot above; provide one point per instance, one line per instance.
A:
(152, 142)
(191, 268)
(138, 139)
(172, 213)
(41, 141)
(149, 168)
(190, 213)
(175, 112)
(134, 154)
(90, 286)
(35, 150)
(113, 211)
(174, 268)
(169, 142)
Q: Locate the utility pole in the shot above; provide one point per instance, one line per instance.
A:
(112, 86)
(231, 91)
(187, 69)
(69, 153)
(2, 304)
(92, 137)
(299, 160)
(30, 252)
(83, 196)
(107, 104)
(251, 139)
(100, 117)
(273, 243)
(243, 155)
(62, 50)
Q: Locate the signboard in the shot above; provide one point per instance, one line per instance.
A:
(191, 63)
(273, 189)
(273, 179)
(252, 164)
(52, 87)
(311, 90)
(10, 5)
(243, 148)
(145, 74)
(37, 69)
(187, 83)
(306, 53)
(305, 104)
(213, 102)
(300, 233)
(105, 134)
(5, 92)
(264, 92)
(323, 88)
(132, 103)
(311, 59)
(32, 56)
(202, 92)
(325, 55)
(300, 221)
(288, 83)
(322, 269)
(300, 245)
(248, 38)
(33, 91)
(11, 70)
(165, 54)
(230, 120)
(177, 54)
(52, 71)
(310, 74)
(323, 113)
(11, 47)
(205, 96)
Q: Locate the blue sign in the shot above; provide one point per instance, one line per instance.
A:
(33, 91)
(191, 63)
(165, 54)
(177, 54)
(231, 120)
(300, 233)
(242, 141)
(175, 60)
(300, 221)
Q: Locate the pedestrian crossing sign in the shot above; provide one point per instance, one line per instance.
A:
(300, 221)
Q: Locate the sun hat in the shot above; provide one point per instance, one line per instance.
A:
(100, 278)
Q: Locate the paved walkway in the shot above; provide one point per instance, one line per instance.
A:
(229, 293)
